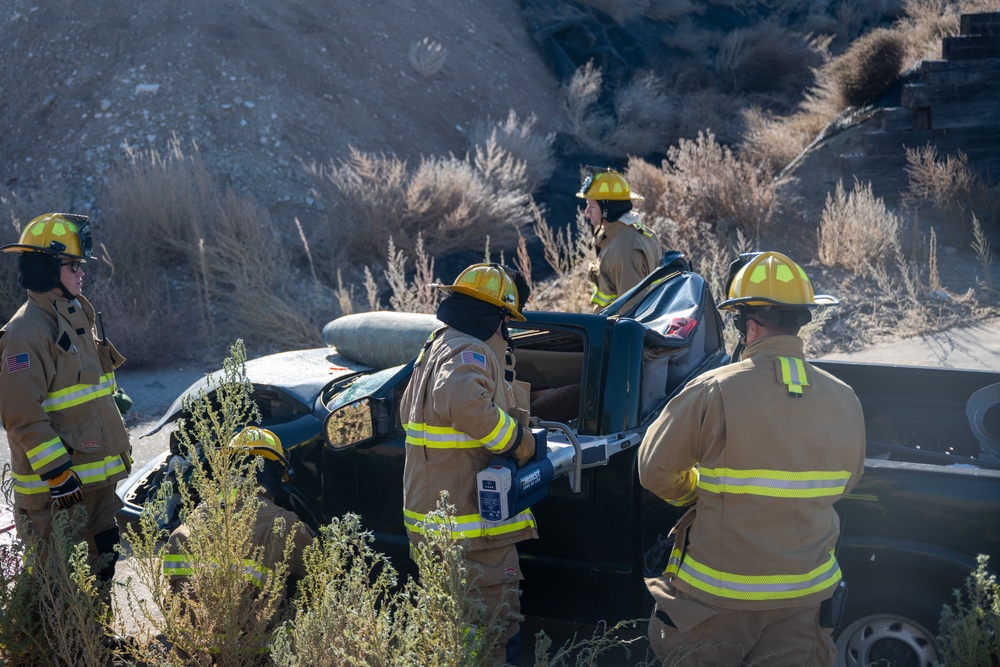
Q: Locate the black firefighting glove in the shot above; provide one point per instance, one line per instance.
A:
(66, 489)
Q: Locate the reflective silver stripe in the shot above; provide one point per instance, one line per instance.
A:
(46, 453)
(774, 483)
(77, 394)
(469, 526)
(793, 374)
(759, 587)
(502, 434)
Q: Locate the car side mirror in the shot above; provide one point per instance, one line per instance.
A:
(350, 425)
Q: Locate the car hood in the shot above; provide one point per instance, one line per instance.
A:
(301, 374)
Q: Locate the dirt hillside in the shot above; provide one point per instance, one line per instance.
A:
(262, 87)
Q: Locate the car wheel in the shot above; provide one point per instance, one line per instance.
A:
(884, 639)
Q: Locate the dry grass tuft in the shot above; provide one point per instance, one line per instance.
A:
(447, 200)
(856, 228)
(427, 57)
(869, 67)
(947, 190)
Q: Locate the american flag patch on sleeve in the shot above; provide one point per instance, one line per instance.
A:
(469, 357)
(19, 362)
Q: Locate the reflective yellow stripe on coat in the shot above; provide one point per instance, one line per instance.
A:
(600, 298)
(178, 565)
(446, 437)
(89, 473)
(774, 483)
(78, 394)
(759, 587)
(469, 526)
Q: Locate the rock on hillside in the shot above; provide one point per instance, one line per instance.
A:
(262, 87)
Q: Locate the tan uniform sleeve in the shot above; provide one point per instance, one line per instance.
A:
(22, 393)
(671, 448)
(462, 394)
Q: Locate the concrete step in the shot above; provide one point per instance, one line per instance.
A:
(964, 115)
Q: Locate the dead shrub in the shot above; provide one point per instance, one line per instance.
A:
(702, 184)
(856, 228)
(518, 139)
(767, 57)
(691, 38)
(450, 202)
(643, 118)
(948, 189)
(869, 67)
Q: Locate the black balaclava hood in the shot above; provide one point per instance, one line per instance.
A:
(39, 271)
(613, 209)
(470, 315)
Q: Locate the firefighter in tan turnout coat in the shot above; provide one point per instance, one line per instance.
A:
(626, 251)
(458, 412)
(763, 448)
(68, 443)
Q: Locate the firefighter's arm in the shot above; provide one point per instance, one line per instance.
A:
(463, 392)
(24, 385)
(669, 452)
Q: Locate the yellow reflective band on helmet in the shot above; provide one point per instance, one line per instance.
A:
(89, 473)
(446, 437)
(46, 453)
(793, 375)
(774, 483)
(759, 587)
(600, 298)
(78, 394)
(468, 526)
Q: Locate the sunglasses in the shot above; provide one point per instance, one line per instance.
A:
(74, 266)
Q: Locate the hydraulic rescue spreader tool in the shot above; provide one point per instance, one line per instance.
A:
(505, 490)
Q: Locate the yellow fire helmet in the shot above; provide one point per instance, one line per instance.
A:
(489, 283)
(607, 185)
(261, 442)
(60, 234)
(772, 279)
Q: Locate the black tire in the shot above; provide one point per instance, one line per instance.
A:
(889, 624)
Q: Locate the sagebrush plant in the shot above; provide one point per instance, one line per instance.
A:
(641, 121)
(519, 138)
(856, 228)
(219, 616)
(704, 186)
(53, 609)
(969, 634)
